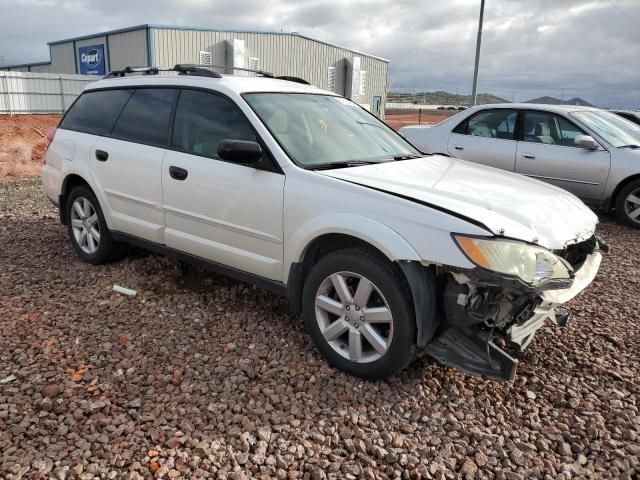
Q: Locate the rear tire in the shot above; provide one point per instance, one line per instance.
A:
(88, 229)
(358, 310)
(628, 205)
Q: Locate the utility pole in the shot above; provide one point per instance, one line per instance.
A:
(474, 94)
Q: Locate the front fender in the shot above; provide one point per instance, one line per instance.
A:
(389, 242)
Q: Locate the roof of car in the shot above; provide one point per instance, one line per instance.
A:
(537, 106)
(227, 83)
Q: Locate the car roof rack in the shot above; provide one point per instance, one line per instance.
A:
(182, 69)
(293, 79)
(198, 71)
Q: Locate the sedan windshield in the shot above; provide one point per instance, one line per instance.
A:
(617, 131)
(317, 130)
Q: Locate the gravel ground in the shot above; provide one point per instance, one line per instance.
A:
(201, 376)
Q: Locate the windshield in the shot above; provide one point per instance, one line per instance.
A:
(617, 131)
(323, 129)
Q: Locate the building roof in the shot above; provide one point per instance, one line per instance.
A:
(145, 26)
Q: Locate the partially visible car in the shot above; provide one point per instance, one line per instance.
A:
(593, 153)
(632, 116)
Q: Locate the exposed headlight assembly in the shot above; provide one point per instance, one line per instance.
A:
(531, 264)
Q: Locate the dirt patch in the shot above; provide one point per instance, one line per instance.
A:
(401, 118)
(22, 143)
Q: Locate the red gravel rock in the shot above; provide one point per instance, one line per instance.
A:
(213, 371)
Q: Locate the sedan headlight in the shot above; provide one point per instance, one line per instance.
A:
(533, 265)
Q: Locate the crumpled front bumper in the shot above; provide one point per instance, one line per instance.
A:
(465, 341)
(521, 335)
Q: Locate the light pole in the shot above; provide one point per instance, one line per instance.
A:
(474, 92)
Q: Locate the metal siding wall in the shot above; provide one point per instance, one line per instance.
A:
(28, 92)
(128, 49)
(62, 59)
(280, 54)
(41, 68)
(93, 41)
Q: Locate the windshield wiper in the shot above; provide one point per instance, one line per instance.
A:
(347, 163)
(630, 146)
(407, 156)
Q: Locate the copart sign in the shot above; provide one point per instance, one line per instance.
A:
(91, 60)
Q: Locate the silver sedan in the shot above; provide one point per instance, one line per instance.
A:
(590, 152)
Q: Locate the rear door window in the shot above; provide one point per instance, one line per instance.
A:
(499, 123)
(96, 112)
(145, 117)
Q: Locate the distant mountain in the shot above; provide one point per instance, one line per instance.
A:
(556, 101)
(445, 99)
(442, 98)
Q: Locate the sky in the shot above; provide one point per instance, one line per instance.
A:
(560, 48)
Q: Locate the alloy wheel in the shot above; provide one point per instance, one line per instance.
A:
(85, 225)
(354, 317)
(632, 205)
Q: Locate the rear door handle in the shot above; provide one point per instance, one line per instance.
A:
(458, 147)
(178, 173)
(101, 155)
(528, 155)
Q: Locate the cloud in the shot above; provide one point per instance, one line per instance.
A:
(529, 49)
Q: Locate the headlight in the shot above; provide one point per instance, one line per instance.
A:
(534, 265)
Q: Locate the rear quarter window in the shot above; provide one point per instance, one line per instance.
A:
(96, 112)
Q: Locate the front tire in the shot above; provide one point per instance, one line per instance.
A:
(88, 229)
(628, 205)
(358, 311)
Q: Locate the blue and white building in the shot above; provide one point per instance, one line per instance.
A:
(356, 75)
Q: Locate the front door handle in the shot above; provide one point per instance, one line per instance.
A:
(528, 155)
(458, 147)
(178, 173)
(101, 155)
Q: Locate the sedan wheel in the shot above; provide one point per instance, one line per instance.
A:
(632, 205)
(85, 225)
(628, 204)
(359, 325)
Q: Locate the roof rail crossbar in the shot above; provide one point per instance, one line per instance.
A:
(194, 70)
(242, 69)
(293, 79)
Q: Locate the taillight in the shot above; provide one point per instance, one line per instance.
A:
(48, 138)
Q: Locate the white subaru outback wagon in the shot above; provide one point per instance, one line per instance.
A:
(388, 254)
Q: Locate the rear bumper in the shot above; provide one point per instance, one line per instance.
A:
(52, 183)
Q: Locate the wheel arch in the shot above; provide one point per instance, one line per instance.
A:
(611, 201)
(72, 180)
(379, 238)
(421, 280)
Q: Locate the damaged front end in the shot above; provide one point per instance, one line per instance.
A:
(478, 306)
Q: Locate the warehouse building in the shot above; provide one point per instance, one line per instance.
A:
(356, 75)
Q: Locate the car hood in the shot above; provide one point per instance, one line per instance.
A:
(507, 204)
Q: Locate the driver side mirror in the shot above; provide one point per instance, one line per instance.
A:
(586, 141)
(240, 151)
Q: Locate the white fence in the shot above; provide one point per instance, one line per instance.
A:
(26, 92)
